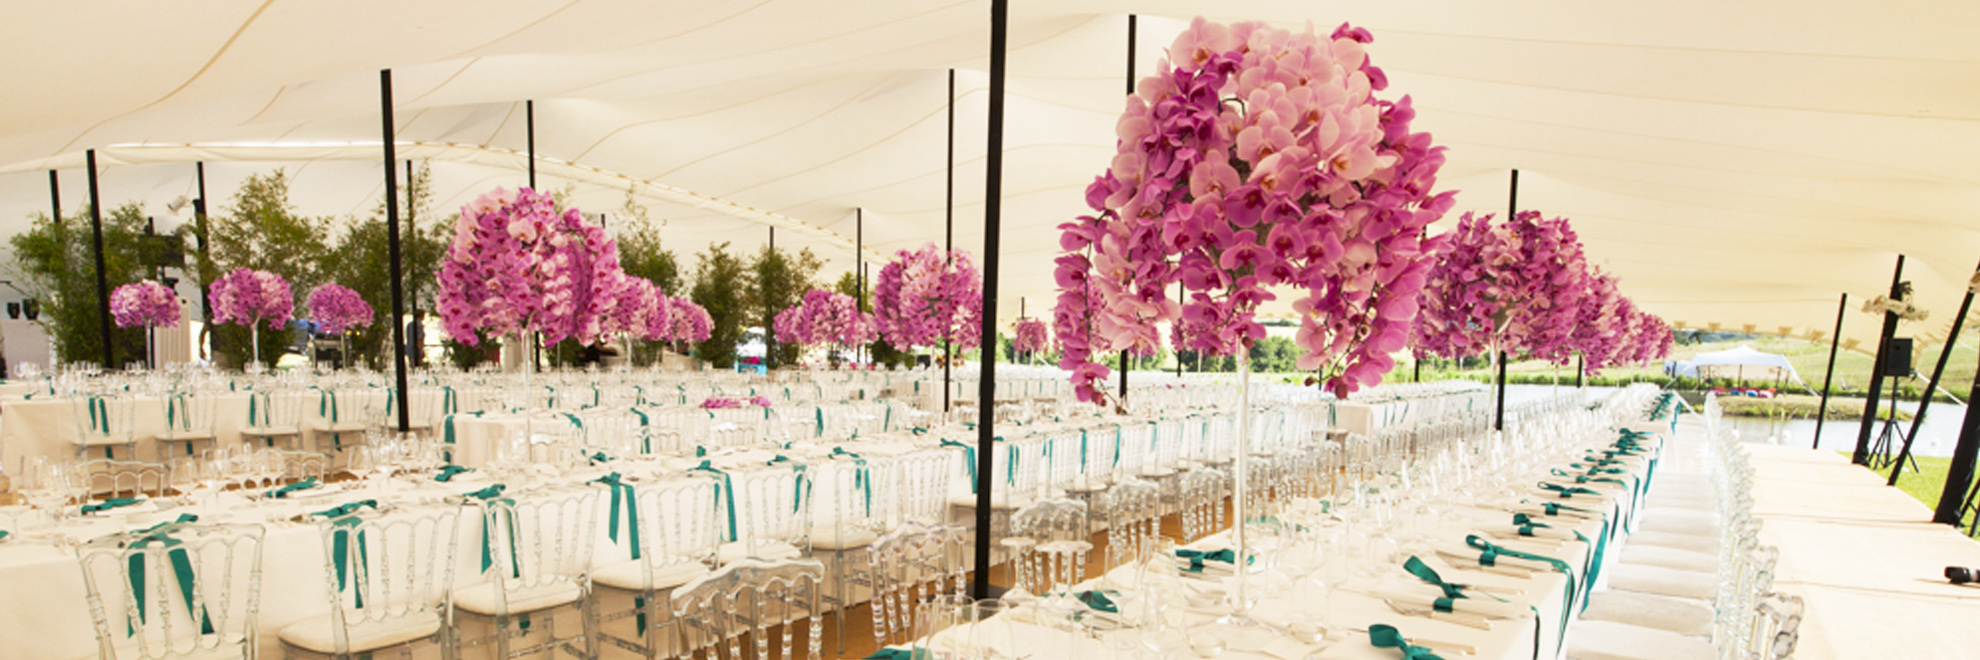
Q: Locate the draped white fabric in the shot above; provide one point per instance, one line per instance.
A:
(1737, 166)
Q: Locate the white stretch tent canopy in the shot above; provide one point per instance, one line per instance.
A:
(1737, 165)
(1742, 362)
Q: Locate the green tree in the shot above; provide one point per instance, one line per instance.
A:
(640, 251)
(777, 282)
(55, 264)
(263, 231)
(721, 285)
(361, 260)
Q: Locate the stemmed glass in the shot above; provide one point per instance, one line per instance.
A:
(51, 486)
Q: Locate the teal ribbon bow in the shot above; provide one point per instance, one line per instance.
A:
(1424, 572)
(283, 492)
(160, 534)
(1099, 601)
(1385, 636)
(493, 493)
(969, 461)
(111, 503)
(892, 654)
(1527, 524)
(724, 488)
(1567, 492)
(448, 472)
(645, 431)
(599, 457)
(1555, 508)
(621, 489)
(1489, 553)
(1197, 557)
(340, 543)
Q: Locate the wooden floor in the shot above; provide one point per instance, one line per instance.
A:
(1865, 557)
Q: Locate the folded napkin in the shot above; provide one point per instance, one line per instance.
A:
(891, 654)
(1572, 491)
(448, 473)
(3, 535)
(1470, 554)
(111, 503)
(283, 492)
(1195, 561)
(1473, 602)
(1385, 636)
(1537, 531)
(1098, 601)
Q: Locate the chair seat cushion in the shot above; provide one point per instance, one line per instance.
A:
(485, 600)
(1666, 557)
(318, 634)
(833, 537)
(628, 576)
(1679, 521)
(1608, 640)
(1664, 581)
(1693, 542)
(1678, 615)
(765, 550)
(183, 436)
(269, 431)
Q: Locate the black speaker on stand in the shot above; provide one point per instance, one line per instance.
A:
(1897, 364)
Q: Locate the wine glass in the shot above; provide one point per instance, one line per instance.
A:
(49, 486)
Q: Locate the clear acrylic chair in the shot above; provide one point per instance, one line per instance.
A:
(342, 413)
(535, 555)
(913, 564)
(114, 478)
(1048, 545)
(274, 416)
(857, 502)
(677, 533)
(923, 489)
(188, 423)
(103, 424)
(729, 614)
(769, 514)
(1134, 520)
(387, 579)
(175, 590)
(1203, 493)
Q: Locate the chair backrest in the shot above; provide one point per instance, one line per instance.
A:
(912, 564)
(679, 522)
(103, 417)
(188, 411)
(925, 479)
(854, 497)
(1776, 627)
(1203, 492)
(274, 408)
(175, 590)
(537, 541)
(748, 598)
(299, 465)
(772, 504)
(1134, 520)
(125, 478)
(383, 568)
(1051, 541)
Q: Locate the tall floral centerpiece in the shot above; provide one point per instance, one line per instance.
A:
(633, 308)
(1255, 159)
(1030, 337)
(1517, 288)
(252, 297)
(690, 322)
(144, 303)
(337, 309)
(927, 296)
(516, 266)
(825, 317)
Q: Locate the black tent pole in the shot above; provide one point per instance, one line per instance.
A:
(102, 273)
(1829, 375)
(1130, 91)
(1931, 386)
(1861, 456)
(949, 230)
(1499, 412)
(993, 227)
(394, 253)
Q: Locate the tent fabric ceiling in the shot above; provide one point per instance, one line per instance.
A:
(1735, 164)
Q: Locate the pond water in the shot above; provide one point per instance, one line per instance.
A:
(1935, 438)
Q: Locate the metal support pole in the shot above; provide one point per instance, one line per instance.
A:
(102, 273)
(1932, 386)
(55, 197)
(1959, 476)
(1829, 376)
(1132, 19)
(949, 230)
(1862, 454)
(1580, 369)
(993, 228)
(394, 253)
(529, 136)
(1499, 413)
(769, 319)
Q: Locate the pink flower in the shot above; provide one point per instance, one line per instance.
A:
(144, 303)
(516, 265)
(247, 297)
(336, 308)
(1030, 336)
(926, 294)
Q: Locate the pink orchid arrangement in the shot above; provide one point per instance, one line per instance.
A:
(248, 297)
(825, 317)
(336, 309)
(762, 401)
(926, 295)
(720, 402)
(633, 302)
(1521, 284)
(1030, 336)
(690, 321)
(1256, 158)
(1599, 323)
(144, 303)
(791, 327)
(517, 265)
